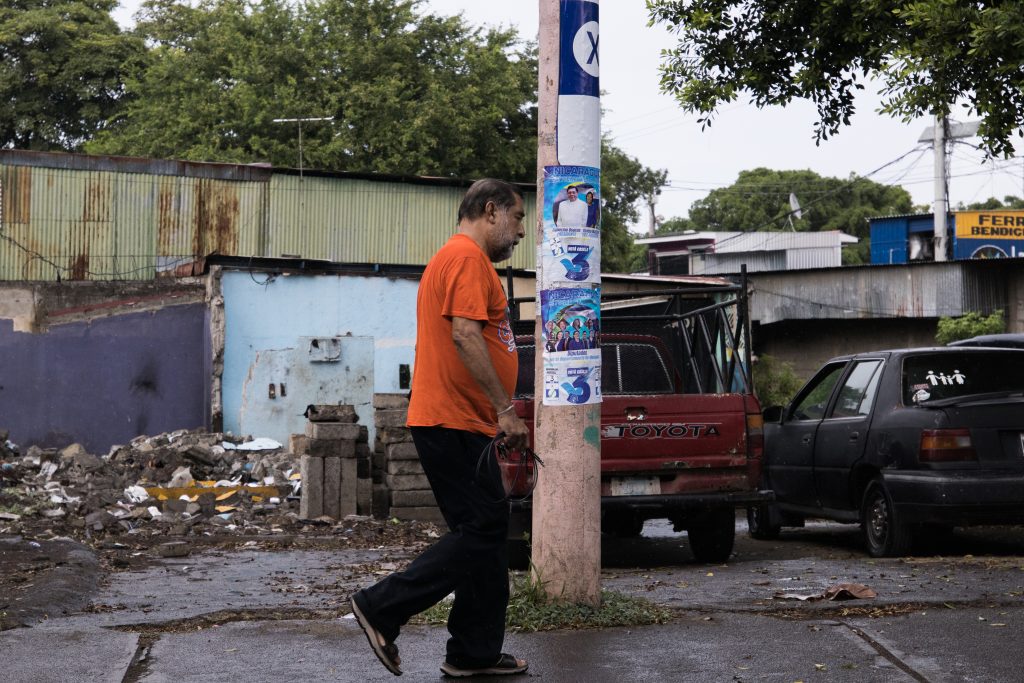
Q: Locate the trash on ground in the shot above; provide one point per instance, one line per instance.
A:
(839, 591)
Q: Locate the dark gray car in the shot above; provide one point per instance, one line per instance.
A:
(902, 442)
(1009, 340)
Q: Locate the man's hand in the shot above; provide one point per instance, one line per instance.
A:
(516, 432)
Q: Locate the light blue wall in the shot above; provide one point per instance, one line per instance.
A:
(268, 323)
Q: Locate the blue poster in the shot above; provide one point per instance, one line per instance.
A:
(571, 247)
(579, 54)
(571, 322)
(571, 319)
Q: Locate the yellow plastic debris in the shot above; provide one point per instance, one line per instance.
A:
(221, 492)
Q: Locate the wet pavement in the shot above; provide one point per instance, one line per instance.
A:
(257, 614)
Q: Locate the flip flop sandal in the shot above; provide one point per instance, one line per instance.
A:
(386, 652)
(506, 664)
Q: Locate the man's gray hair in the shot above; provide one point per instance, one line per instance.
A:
(474, 203)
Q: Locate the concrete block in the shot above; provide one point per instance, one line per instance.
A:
(420, 514)
(364, 435)
(328, 448)
(311, 503)
(332, 487)
(331, 413)
(390, 418)
(404, 467)
(402, 451)
(407, 482)
(364, 497)
(413, 499)
(363, 468)
(388, 435)
(381, 502)
(348, 494)
(390, 401)
(333, 430)
(298, 444)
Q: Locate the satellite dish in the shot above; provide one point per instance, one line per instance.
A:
(795, 206)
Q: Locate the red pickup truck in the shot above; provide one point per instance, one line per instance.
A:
(681, 430)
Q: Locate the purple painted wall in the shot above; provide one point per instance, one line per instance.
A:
(108, 380)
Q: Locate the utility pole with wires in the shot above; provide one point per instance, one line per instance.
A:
(302, 196)
(938, 134)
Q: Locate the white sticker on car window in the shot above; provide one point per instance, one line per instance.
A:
(921, 395)
(942, 378)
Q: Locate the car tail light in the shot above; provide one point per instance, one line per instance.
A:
(946, 445)
(755, 435)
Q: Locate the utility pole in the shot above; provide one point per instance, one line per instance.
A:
(939, 134)
(939, 212)
(566, 536)
(302, 193)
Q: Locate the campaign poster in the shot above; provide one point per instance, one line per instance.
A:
(572, 381)
(571, 319)
(571, 325)
(571, 247)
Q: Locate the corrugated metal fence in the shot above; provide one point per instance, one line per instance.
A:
(76, 217)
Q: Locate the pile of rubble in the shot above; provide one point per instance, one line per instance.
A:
(165, 484)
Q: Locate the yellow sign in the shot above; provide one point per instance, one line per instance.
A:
(989, 225)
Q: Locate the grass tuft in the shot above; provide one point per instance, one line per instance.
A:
(530, 609)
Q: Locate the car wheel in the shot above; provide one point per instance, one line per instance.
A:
(885, 535)
(712, 537)
(762, 522)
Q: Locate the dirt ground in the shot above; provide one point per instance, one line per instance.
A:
(43, 573)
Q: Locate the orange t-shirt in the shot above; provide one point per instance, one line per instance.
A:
(459, 281)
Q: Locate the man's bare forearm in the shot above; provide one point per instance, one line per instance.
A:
(472, 349)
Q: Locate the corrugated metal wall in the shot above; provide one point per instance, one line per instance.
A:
(77, 217)
(916, 291)
(369, 221)
(814, 257)
(728, 263)
(93, 222)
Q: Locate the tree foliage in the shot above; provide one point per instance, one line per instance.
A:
(60, 71)
(927, 54)
(1008, 202)
(759, 200)
(409, 93)
(970, 325)
(775, 381)
(625, 184)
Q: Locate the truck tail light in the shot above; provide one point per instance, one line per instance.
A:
(755, 435)
(946, 445)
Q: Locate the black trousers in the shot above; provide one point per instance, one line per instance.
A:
(471, 560)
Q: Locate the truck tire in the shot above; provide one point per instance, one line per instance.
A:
(763, 522)
(885, 534)
(712, 537)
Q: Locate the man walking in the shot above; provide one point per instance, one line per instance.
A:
(463, 379)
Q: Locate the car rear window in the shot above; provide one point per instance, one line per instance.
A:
(936, 376)
(626, 368)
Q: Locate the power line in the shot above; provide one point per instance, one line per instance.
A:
(846, 185)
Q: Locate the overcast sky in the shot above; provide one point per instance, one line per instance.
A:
(649, 126)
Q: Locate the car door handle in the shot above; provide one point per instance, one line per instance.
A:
(806, 440)
(854, 436)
